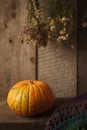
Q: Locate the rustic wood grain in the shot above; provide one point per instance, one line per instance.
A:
(17, 60)
(57, 64)
(11, 121)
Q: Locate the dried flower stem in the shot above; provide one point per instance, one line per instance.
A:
(58, 27)
(32, 5)
(30, 11)
(35, 4)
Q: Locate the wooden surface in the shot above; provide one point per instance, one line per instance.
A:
(17, 60)
(58, 67)
(11, 121)
(82, 49)
(82, 63)
(57, 64)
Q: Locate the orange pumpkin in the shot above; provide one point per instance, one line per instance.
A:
(30, 97)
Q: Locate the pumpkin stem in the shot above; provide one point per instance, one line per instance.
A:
(30, 83)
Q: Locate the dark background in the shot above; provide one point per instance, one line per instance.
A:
(82, 48)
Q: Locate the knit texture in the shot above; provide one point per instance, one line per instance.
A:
(70, 116)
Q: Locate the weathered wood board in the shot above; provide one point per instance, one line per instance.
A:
(17, 60)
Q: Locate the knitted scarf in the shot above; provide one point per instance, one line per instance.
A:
(70, 116)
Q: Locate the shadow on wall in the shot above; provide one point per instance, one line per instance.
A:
(82, 49)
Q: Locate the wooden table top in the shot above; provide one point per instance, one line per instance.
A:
(9, 117)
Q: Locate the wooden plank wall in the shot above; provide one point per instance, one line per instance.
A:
(17, 61)
(57, 64)
(82, 48)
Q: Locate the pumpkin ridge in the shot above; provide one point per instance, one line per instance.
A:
(14, 98)
(41, 93)
(34, 95)
(46, 93)
(28, 100)
(29, 83)
(36, 98)
(21, 99)
(31, 87)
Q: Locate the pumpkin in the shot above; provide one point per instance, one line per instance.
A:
(30, 97)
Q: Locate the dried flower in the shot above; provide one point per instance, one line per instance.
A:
(67, 35)
(63, 20)
(63, 31)
(84, 24)
(52, 28)
(34, 22)
(40, 29)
